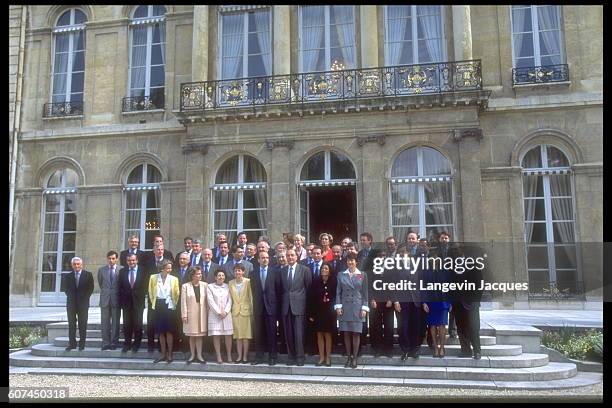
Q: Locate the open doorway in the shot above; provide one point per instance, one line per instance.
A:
(328, 209)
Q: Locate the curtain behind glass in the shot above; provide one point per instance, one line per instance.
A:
(262, 23)
(531, 160)
(434, 163)
(162, 40)
(346, 34)
(431, 24)
(232, 43)
(396, 26)
(228, 174)
(548, 19)
(312, 37)
(518, 24)
(139, 59)
(60, 69)
(562, 209)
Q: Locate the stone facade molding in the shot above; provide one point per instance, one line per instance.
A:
(136, 159)
(55, 163)
(196, 147)
(273, 144)
(459, 134)
(380, 139)
(555, 137)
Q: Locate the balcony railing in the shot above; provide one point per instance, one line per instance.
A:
(560, 290)
(59, 109)
(142, 103)
(540, 75)
(342, 85)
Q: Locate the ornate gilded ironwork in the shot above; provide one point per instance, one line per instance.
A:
(192, 96)
(59, 109)
(140, 103)
(540, 74)
(555, 290)
(467, 75)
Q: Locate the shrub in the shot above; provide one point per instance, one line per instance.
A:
(25, 336)
(577, 345)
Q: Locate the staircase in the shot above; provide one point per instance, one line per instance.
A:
(510, 360)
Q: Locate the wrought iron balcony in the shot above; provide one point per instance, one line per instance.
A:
(59, 109)
(560, 290)
(540, 75)
(342, 85)
(142, 103)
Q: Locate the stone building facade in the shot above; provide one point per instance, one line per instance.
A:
(375, 143)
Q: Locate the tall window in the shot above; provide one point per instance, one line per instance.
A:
(239, 195)
(59, 233)
(246, 44)
(69, 60)
(537, 36)
(549, 220)
(142, 204)
(147, 57)
(327, 36)
(421, 194)
(414, 35)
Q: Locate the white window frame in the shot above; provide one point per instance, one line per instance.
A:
(142, 187)
(239, 187)
(419, 180)
(415, 40)
(161, 20)
(72, 29)
(327, 35)
(535, 29)
(245, 42)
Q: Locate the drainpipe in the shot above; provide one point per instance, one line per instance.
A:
(16, 127)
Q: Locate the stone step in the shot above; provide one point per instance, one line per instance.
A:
(451, 349)
(519, 361)
(551, 371)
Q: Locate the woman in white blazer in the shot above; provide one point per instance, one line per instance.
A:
(194, 312)
(219, 315)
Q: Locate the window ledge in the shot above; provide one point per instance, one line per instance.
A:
(63, 117)
(542, 85)
(132, 113)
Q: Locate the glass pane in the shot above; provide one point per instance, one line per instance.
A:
(141, 11)
(565, 257)
(153, 197)
(233, 24)
(132, 219)
(70, 220)
(254, 198)
(341, 14)
(438, 214)
(139, 59)
(79, 41)
(253, 44)
(149, 235)
(61, 65)
(341, 167)
(556, 158)
(51, 222)
(226, 220)
(523, 45)
(563, 232)
(548, 17)
(256, 67)
(49, 262)
(47, 283)
(79, 17)
(66, 257)
(439, 192)
(226, 200)
(538, 233)
(70, 202)
(560, 185)
(314, 169)
(424, 54)
(254, 171)
(50, 242)
(533, 186)
(70, 178)
(156, 55)
(405, 215)
(562, 209)
(132, 199)
(404, 194)
(157, 76)
(153, 220)
(59, 84)
(53, 204)
(538, 280)
(157, 97)
(533, 159)
(78, 61)
(521, 19)
(228, 173)
(537, 257)
(525, 63)
(64, 19)
(313, 15)
(55, 180)
(253, 236)
(69, 242)
(139, 35)
(399, 11)
(153, 174)
(405, 165)
(549, 44)
(137, 93)
(254, 219)
(157, 28)
(159, 10)
(432, 234)
(135, 176)
(77, 82)
(534, 210)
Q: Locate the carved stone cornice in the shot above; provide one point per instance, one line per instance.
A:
(272, 144)
(380, 139)
(459, 134)
(196, 147)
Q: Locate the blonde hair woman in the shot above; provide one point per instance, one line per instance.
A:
(242, 312)
(164, 295)
(194, 313)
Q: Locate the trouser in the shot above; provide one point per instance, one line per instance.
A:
(132, 325)
(181, 339)
(452, 328)
(265, 336)
(381, 337)
(410, 329)
(75, 314)
(468, 327)
(150, 325)
(109, 320)
(294, 335)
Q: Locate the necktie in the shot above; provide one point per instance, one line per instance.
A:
(132, 278)
(290, 275)
(182, 273)
(112, 275)
(316, 269)
(222, 260)
(334, 265)
(78, 275)
(205, 271)
(263, 275)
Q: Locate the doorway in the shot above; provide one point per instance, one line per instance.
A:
(328, 209)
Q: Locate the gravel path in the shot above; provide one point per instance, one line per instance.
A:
(110, 387)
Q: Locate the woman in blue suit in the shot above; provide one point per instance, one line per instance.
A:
(436, 308)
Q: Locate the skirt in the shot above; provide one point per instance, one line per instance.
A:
(355, 326)
(438, 313)
(242, 327)
(165, 319)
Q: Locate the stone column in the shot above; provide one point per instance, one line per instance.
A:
(371, 197)
(280, 190)
(462, 32)
(282, 36)
(199, 50)
(470, 183)
(369, 36)
(197, 191)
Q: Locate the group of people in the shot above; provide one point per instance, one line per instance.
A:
(302, 294)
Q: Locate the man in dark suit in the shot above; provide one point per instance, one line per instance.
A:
(242, 240)
(133, 248)
(157, 241)
(315, 268)
(296, 280)
(208, 266)
(237, 255)
(196, 255)
(251, 253)
(187, 243)
(157, 256)
(110, 309)
(217, 249)
(265, 287)
(224, 255)
(78, 287)
(337, 264)
(133, 284)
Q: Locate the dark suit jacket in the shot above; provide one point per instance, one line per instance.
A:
(266, 296)
(295, 294)
(149, 265)
(131, 298)
(176, 257)
(341, 266)
(201, 263)
(77, 298)
(141, 255)
(176, 271)
(109, 292)
(216, 259)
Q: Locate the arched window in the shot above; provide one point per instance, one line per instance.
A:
(59, 231)
(327, 166)
(239, 196)
(68, 77)
(421, 194)
(147, 59)
(549, 222)
(142, 204)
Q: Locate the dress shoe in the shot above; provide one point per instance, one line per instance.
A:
(272, 362)
(134, 349)
(189, 361)
(291, 362)
(255, 362)
(404, 356)
(103, 348)
(169, 360)
(354, 362)
(81, 348)
(201, 361)
(328, 364)
(70, 348)
(477, 356)
(319, 363)
(349, 361)
(465, 354)
(300, 363)
(125, 349)
(158, 359)
(113, 347)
